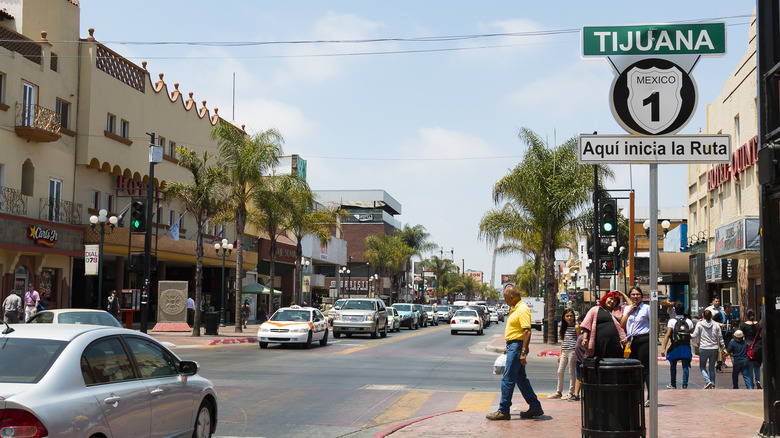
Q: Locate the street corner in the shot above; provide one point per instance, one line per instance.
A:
(435, 418)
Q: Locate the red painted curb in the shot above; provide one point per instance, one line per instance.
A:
(233, 341)
(387, 432)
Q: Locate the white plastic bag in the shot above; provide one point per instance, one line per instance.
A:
(499, 365)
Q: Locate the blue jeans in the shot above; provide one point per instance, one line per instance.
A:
(754, 368)
(514, 374)
(708, 372)
(741, 367)
(686, 367)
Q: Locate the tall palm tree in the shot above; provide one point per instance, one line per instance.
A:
(549, 189)
(245, 159)
(440, 268)
(204, 198)
(468, 286)
(415, 238)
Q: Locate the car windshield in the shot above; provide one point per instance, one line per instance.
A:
(339, 303)
(428, 308)
(27, 360)
(466, 313)
(391, 311)
(455, 308)
(291, 315)
(94, 318)
(359, 305)
(403, 307)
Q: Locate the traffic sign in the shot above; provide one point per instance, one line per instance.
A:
(654, 39)
(602, 149)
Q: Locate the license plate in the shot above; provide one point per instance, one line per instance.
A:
(464, 321)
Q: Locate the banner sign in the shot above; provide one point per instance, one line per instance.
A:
(596, 149)
(91, 258)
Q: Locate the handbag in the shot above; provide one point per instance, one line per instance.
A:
(750, 352)
(627, 350)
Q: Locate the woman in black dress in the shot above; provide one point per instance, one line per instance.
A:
(604, 336)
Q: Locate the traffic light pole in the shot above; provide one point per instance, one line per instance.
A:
(148, 241)
(596, 235)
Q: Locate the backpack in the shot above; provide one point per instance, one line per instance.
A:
(681, 334)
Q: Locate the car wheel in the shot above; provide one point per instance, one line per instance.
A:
(263, 344)
(384, 331)
(453, 332)
(324, 340)
(349, 335)
(308, 341)
(481, 332)
(336, 334)
(203, 420)
(375, 333)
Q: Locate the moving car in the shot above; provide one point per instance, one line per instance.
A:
(466, 320)
(74, 316)
(332, 311)
(494, 316)
(359, 316)
(444, 313)
(481, 312)
(92, 381)
(393, 320)
(423, 317)
(409, 314)
(431, 314)
(294, 325)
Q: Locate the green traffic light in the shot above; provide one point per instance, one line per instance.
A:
(607, 226)
(136, 224)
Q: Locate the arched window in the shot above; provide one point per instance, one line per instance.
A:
(28, 178)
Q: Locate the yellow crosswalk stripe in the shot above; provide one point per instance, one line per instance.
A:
(403, 407)
(476, 402)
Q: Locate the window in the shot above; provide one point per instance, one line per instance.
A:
(171, 217)
(158, 215)
(720, 205)
(108, 203)
(736, 130)
(738, 190)
(28, 177)
(152, 360)
(55, 199)
(161, 141)
(28, 103)
(124, 129)
(63, 109)
(111, 123)
(2, 87)
(172, 148)
(95, 200)
(106, 361)
(695, 222)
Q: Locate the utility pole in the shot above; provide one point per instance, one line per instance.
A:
(596, 235)
(155, 156)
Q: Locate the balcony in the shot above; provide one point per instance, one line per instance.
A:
(56, 210)
(36, 123)
(13, 201)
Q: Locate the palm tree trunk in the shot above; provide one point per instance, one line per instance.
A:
(240, 224)
(272, 274)
(549, 288)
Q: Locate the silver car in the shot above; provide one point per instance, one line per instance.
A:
(361, 316)
(74, 316)
(93, 381)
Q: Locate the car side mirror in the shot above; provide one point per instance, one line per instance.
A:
(189, 367)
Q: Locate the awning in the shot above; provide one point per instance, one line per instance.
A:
(673, 262)
(279, 268)
(257, 288)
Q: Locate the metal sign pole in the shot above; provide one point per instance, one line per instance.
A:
(653, 274)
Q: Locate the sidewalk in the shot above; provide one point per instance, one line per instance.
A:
(227, 335)
(680, 413)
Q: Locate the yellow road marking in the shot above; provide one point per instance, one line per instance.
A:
(476, 402)
(403, 407)
(388, 340)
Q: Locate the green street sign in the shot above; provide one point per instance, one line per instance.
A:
(654, 39)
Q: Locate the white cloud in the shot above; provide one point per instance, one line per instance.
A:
(290, 120)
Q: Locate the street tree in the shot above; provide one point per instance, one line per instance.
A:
(415, 238)
(440, 267)
(204, 198)
(245, 159)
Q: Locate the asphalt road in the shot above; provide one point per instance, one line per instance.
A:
(355, 387)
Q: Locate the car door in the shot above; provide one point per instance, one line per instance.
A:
(111, 379)
(172, 399)
(320, 325)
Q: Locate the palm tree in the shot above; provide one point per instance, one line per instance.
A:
(468, 286)
(440, 268)
(204, 198)
(415, 238)
(549, 189)
(271, 213)
(245, 160)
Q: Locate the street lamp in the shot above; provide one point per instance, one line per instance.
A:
(374, 279)
(226, 249)
(304, 265)
(343, 271)
(665, 224)
(100, 221)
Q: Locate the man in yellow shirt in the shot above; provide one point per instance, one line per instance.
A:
(518, 337)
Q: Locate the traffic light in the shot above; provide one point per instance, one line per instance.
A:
(607, 216)
(138, 217)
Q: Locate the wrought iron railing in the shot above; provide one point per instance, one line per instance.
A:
(13, 201)
(55, 210)
(36, 116)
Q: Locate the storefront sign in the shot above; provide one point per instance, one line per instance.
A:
(721, 270)
(42, 236)
(738, 236)
(91, 257)
(742, 159)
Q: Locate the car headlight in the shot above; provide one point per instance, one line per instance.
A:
(404, 316)
(337, 317)
(299, 330)
(369, 318)
(264, 330)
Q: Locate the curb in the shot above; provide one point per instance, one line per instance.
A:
(249, 340)
(397, 427)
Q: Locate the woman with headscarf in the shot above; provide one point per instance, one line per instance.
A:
(603, 334)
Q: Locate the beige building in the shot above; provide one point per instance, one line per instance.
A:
(723, 199)
(75, 117)
(476, 275)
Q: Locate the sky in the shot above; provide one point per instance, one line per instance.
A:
(390, 95)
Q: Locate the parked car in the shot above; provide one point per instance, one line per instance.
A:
(74, 316)
(430, 314)
(466, 320)
(444, 313)
(95, 381)
(423, 322)
(393, 320)
(332, 311)
(294, 325)
(409, 315)
(359, 316)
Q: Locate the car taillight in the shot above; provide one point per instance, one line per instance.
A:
(452, 322)
(476, 321)
(18, 423)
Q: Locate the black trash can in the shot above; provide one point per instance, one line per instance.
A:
(212, 323)
(612, 398)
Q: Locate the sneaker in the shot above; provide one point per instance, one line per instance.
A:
(567, 396)
(710, 385)
(574, 398)
(531, 413)
(718, 369)
(670, 386)
(498, 415)
(685, 386)
(758, 385)
(556, 395)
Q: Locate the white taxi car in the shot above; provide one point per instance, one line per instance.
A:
(294, 325)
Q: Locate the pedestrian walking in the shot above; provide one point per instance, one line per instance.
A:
(113, 305)
(737, 349)
(752, 331)
(678, 331)
(190, 311)
(518, 337)
(245, 312)
(725, 319)
(569, 332)
(718, 316)
(12, 308)
(604, 336)
(580, 351)
(31, 301)
(636, 323)
(708, 337)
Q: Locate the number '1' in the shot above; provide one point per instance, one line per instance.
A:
(653, 101)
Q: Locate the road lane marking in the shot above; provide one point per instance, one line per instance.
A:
(388, 340)
(476, 402)
(403, 407)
